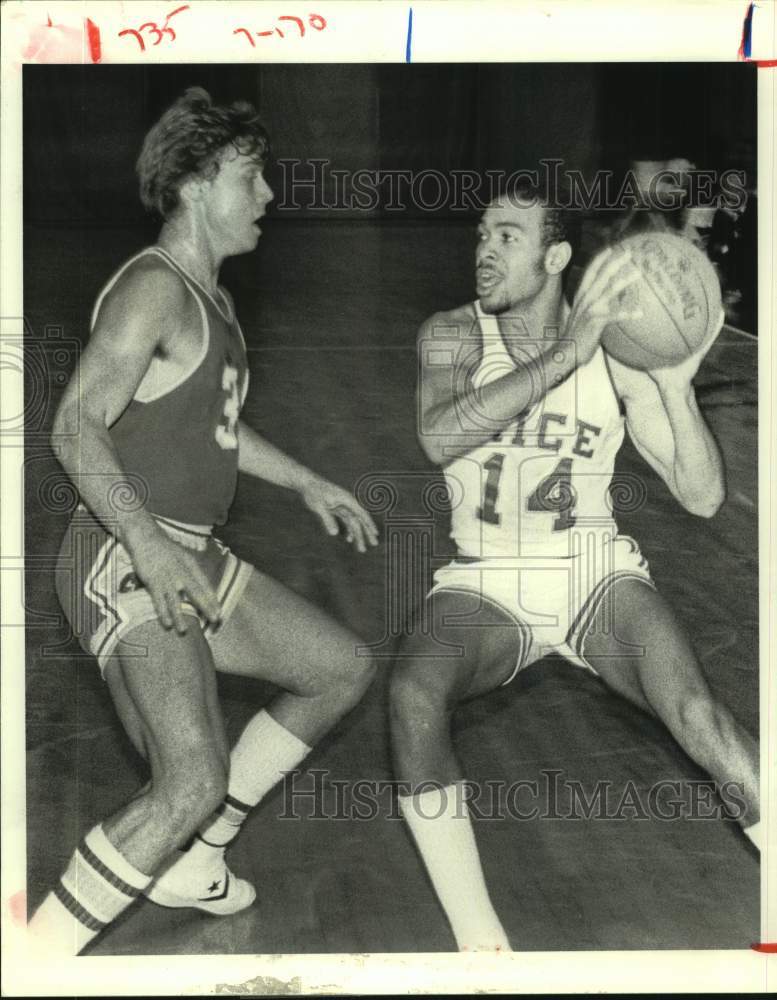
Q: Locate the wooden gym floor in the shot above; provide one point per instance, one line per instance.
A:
(330, 312)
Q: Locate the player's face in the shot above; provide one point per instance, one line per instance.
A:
(510, 255)
(234, 201)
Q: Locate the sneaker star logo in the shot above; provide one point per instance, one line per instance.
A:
(213, 887)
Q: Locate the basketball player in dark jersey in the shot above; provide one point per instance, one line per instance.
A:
(527, 439)
(158, 600)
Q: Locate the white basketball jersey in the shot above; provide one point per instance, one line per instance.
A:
(541, 485)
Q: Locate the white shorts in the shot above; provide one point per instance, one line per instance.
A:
(552, 601)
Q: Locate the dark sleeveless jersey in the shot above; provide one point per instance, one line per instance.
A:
(179, 435)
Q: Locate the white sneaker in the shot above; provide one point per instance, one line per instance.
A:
(213, 889)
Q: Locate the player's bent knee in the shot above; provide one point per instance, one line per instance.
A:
(365, 674)
(420, 718)
(353, 684)
(191, 793)
(698, 713)
(192, 806)
(417, 694)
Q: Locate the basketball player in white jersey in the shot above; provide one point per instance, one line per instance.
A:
(524, 411)
(148, 588)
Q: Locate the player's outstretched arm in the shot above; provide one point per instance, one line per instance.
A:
(455, 418)
(669, 431)
(136, 319)
(329, 502)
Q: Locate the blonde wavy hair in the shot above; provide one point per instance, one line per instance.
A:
(188, 140)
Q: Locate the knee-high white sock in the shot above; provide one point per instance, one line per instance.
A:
(98, 884)
(265, 752)
(440, 823)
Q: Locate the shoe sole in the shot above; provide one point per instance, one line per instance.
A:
(218, 908)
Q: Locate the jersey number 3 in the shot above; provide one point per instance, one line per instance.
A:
(226, 430)
(555, 494)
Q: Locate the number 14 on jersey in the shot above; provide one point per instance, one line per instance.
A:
(555, 494)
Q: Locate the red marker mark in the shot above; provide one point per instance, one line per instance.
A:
(17, 904)
(138, 37)
(247, 34)
(299, 21)
(152, 27)
(315, 21)
(747, 34)
(745, 46)
(54, 43)
(765, 948)
(93, 35)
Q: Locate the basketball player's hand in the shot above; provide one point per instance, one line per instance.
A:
(170, 574)
(678, 377)
(598, 301)
(335, 506)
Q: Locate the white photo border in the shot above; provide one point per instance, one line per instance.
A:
(372, 31)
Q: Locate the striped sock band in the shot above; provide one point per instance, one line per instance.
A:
(225, 823)
(264, 753)
(98, 884)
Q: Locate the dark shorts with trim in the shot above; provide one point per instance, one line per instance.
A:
(102, 597)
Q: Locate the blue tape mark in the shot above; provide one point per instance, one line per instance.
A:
(747, 32)
(408, 46)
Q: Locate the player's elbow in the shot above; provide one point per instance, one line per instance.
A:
(75, 424)
(707, 510)
(432, 448)
(439, 441)
(430, 439)
(441, 451)
(62, 426)
(706, 504)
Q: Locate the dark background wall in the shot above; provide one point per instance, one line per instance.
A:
(84, 125)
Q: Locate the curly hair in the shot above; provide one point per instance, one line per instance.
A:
(187, 141)
(561, 222)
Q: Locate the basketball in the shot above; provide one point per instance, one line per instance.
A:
(678, 296)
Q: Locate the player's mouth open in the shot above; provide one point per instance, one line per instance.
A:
(486, 278)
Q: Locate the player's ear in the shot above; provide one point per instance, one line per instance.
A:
(557, 256)
(191, 190)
